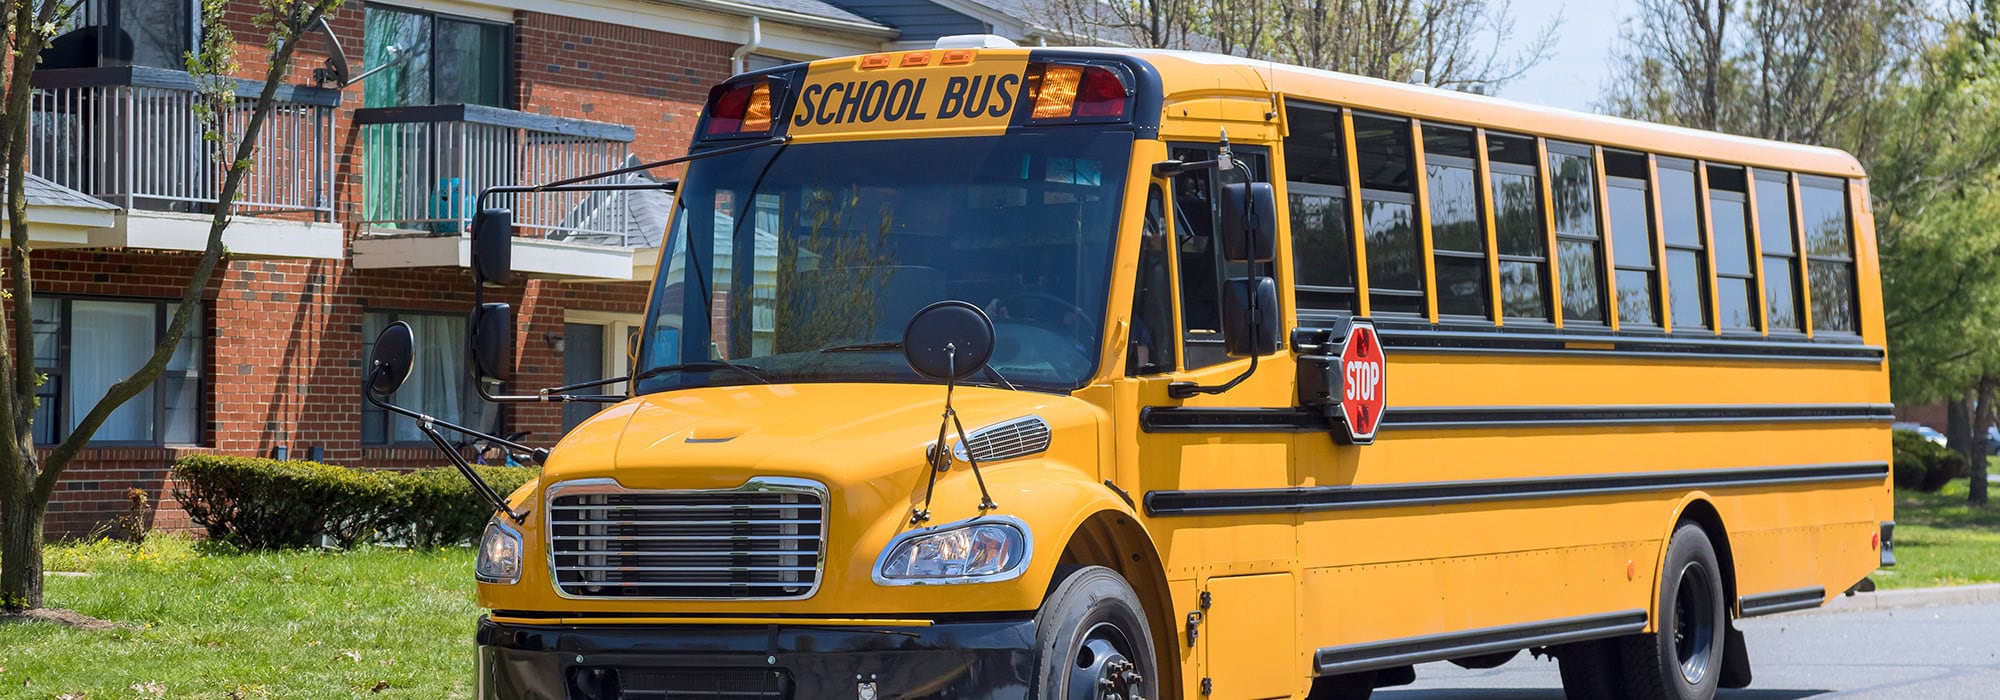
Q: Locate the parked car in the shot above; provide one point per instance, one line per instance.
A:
(1937, 438)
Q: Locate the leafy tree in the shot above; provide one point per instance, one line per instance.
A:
(27, 482)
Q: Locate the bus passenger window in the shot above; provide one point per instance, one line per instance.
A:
(1573, 181)
(1781, 253)
(1687, 265)
(1736, 292)
(1322, 246)
(1458, 239)
(1517, 224)
(1389, 216)
(1829, 253)
(1631, 207)
(1151, 348)
(1202, 269)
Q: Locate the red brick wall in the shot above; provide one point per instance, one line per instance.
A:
(283, 344)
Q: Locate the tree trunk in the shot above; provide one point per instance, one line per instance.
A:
(1981, 419)
(1958, 432)
(21, 556)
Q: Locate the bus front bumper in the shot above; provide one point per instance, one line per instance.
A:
(983, 659)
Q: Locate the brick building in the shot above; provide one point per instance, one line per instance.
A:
(352, 218)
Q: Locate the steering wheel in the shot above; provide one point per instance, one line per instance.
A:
(1062, 304)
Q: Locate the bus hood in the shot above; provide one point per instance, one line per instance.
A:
(838, 434)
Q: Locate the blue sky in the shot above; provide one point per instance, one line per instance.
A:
(1573, 77)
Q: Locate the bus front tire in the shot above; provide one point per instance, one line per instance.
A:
(1682, 658)
(1093, 640)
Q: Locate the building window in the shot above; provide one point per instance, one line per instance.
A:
(1518, 227)
(1630, 204)
(439, 385)
(1687, 259)
(1829, 253)
(1737, 296)
(1781, 252)
(1322, 247)
(432, 59)
(1458, 236)
(156, 33)
(1573, 184)
(1389, 216)
(596, 346)
(85, 345)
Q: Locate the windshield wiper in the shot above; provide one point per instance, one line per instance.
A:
(865, 347)
(751, 371)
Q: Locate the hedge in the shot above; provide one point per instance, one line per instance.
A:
(259, 504)
(1923, 465)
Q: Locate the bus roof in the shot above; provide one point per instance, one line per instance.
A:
(1182, 71)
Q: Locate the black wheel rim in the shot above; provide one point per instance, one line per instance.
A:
(1102, 667)
(1694, 623)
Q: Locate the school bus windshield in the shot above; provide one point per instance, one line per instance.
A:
(802, 263)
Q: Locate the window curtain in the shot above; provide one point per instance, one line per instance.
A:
(108, 341)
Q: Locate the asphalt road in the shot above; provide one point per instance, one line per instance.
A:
(1944, 651)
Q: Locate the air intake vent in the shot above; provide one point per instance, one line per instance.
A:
(763, 540)
(1015, 438)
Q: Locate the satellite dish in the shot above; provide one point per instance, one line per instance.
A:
(948, 341)
(394, 356)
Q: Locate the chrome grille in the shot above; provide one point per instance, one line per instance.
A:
(762, 540)
(1015, 438)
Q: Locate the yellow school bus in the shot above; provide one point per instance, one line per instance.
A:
(1296, 380)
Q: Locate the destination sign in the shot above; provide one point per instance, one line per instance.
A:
(841, 100)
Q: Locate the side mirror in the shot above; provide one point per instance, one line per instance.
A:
(493, 246)
(948, 341)
(492, 327)
(390, 364)
(1249, 222)
(1250, 316)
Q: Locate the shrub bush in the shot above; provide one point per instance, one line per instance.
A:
(258, 504)
(1925, 466)
(440, 509)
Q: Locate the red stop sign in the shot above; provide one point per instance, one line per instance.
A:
(1364, 383)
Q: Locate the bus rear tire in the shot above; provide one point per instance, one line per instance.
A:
(1093, 640)
(1682, 659)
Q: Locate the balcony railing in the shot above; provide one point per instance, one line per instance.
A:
(424, 167)
(131, 136)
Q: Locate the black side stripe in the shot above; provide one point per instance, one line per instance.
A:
(1352, 658)
(1783, 601)
(1614, 346)
(1168, 419)
(1302, 499)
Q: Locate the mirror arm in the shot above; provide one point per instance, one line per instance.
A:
(553, 395)
(429, 425)
(1184, 390)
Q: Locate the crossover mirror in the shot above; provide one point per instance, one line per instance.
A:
(948, 341)
(493, 341)
(493, 246)
(389, 365)
(1249, 222)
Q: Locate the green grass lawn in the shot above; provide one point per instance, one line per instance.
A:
(286, 625)
(1943, 541)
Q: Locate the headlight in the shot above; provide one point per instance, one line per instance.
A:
(499, 554)
(980, 550)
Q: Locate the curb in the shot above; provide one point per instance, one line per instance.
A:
(1914, 598)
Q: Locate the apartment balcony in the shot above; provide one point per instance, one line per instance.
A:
(424, 167)
(134, 136)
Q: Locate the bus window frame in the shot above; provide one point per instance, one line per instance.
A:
(1752, 248)
(1605, 298)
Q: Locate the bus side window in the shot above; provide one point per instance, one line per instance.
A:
(1202, 269)
(1389, 216)
(1151, 348)
(1687, 255)
(1459, 239)
(1316, 187)
(1632, 248)
(1829, 253)
(1518, 227)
